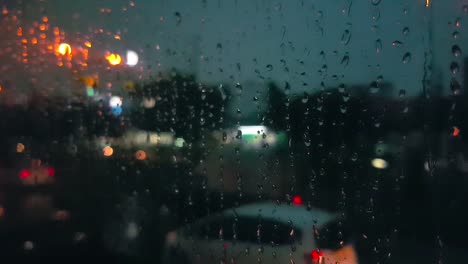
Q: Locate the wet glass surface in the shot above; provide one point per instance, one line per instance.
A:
(244, 131)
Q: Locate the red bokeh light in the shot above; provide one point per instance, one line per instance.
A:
(297, 200)
(456, 131)
(50, 171)
(24, 174)
(316, 255)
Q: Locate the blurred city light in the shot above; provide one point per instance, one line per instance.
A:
(115, 101)
(108, 151)
(252, 130)
(132, 58)
(297, 200)
(140, 155)
(114, 59)
(428, 3)
(149, 102)
(179, 142)
(379, 164)
(456, 131)
(50, 171)
(64, 49)
(19, 147)
(88, 44)
(24, 174)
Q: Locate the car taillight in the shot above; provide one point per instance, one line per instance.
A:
(50, 171)
(314, 257)
(24, 174)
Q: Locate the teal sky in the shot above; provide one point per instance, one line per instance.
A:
(250, 41)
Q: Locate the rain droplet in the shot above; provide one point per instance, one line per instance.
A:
(406, 58)
(376, 14)
(402, 93)
(454, 68)
(457, 22)
(455, 87)
(374, 87)
(346, 97)
(456, 51)
(456, 35)
(406, 31)
(341, 88)
(345, 60)
(379, 79)
(322, 55)
(376, 2)
(465, 8)
(269, 67)
(305, 98)
(378, 46)
(343, 109)
(346, 37)
(397, 43)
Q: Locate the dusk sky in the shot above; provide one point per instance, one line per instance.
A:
(245, 41)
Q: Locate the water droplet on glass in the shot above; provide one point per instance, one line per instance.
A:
(354, 156)
(343, 109)
(346, 37)
(374, 87)
(322, 55)
(379, 79)
(345, 60)
(397, 43)
(465, 8)
(376, 14)
(402, 93)
(456, 34)
(456, 51)
(406, 58)
(455, 87)
(406, 31)
(269, 67)
(346, 97)
(305, 98)
(457, 22)
(378, 46)
(376, 2)
(341, 88)
(454, 68)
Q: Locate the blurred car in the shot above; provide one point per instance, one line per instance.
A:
(267, 231)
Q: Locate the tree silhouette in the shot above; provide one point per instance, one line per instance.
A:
(183, 106)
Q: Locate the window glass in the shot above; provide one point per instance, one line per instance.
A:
(335, 130)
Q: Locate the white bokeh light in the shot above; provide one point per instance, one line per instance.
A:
(132, 58)
(115, 101)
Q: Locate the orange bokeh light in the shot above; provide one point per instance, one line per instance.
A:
(140, 155)
(88, 44)
(108, 151)
(64, 49)
(114, 59)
